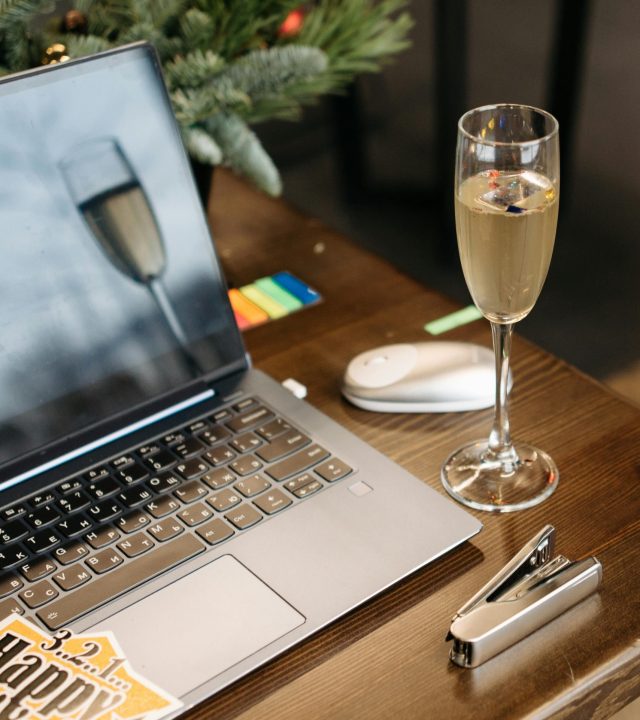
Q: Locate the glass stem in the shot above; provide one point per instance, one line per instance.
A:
(500, 447)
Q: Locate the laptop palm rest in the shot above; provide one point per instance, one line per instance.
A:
(227, 611)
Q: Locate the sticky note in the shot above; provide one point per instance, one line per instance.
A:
(295, 286)
(279, 294)
(251, 313)
(454, 320)
(272, 307)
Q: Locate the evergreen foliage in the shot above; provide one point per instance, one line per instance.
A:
(227, 63)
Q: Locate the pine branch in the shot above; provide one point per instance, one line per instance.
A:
(195, 105)
(243, 152)
(193, 70)
(202, 146)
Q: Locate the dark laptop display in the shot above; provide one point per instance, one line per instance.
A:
(110, 293)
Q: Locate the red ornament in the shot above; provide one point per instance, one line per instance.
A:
(292, 23)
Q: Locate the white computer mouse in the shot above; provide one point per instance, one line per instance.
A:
(422, 377)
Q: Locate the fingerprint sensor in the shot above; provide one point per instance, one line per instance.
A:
(360, 488)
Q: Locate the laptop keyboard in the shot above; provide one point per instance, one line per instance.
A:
(69, 549)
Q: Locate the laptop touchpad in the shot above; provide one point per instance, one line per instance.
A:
(197, 627)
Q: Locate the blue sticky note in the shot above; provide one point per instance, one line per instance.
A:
(296, 287)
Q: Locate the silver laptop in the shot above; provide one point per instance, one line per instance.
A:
(147, 473)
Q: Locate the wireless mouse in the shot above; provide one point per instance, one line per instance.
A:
(422, 377)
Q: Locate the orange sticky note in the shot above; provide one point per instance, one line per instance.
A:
(242, 306)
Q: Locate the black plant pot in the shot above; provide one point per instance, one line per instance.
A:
(203, 175)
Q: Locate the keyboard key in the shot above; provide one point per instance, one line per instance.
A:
(136, 545)
(273, 501)
(300, 481)
(147, 450)
(39, 568)
(252, 485)
(165, 530)
(69, 486)
(221, 415)
(70, 607)
(333, 470)
(72, 577)
(163, 482)
(287, 443)
(297, 463)
(9, 584)
(249, 419)
(102, 537)
(10, 606)
(224, 500)
(190, 447)
(12, 556)
(74, 501)
(162, 506)
(106, 510)
(308, 489)
(131, 522)
(134, 496)
(104, 561)
(70, 553)
(122, 462)
(244, 516)
(13, 512)
(195, 514)
(132, 474)
(174, 438)
(216, 479)
(42, 541)
(219, 455)
(43, 516)
(74, 525)
(198, 426)
(161, 461)
(215, 531)
(191, 491)
(274, 428)
(245, 404)
(38, 594)
(41, 499)
(192, 469)
(245, 465)
(103, 488)
(96, 473)
(245, 443)
(13, 531)
(214, 435)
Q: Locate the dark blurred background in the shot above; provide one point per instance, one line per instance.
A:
(377, 163)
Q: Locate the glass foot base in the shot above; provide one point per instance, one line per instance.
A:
(474, 478)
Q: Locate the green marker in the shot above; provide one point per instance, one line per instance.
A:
(454, 320)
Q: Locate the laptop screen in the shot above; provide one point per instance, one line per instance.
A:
(110, 290)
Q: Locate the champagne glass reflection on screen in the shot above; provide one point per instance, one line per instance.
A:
(507, 183)
(113, 204)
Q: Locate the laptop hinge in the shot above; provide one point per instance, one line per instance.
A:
(110, 437)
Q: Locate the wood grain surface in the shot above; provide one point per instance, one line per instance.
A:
(389, 658)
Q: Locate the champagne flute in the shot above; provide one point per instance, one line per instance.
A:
(507, 183)
(115, 207)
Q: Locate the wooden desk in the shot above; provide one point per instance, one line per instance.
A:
(388, 658)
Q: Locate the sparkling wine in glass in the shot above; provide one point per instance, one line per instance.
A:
(507, 184)
(112, 202)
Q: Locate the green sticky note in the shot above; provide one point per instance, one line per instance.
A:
(273, 290)
(454, 320)
(273, 308)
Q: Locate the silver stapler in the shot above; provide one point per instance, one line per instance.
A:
(529, 591)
